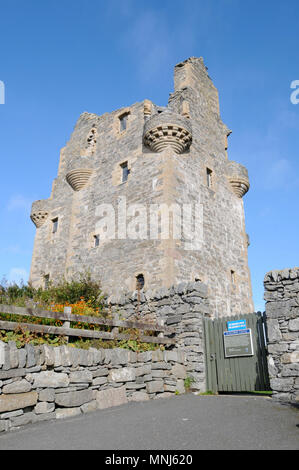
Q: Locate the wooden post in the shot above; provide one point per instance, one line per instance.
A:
(161, 323)
(67, 324)
(115, 329)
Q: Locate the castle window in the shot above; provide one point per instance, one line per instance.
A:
(125, 172)
(123, 122)
(46, 281)
(209, 178)
(233, 277)
(96, 239)
(91, 142)
(55, 225)
(91, 136)
(139, 281)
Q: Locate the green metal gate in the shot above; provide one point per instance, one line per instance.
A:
(239, 373)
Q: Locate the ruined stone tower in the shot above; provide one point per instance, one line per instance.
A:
(116, 176)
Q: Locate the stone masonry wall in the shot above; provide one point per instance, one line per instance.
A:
(282, 310)
(40, 383)
(181, 307)
(44, 382)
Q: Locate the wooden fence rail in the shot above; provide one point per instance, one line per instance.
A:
(67, 330)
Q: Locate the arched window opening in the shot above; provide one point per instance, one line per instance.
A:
(139, 281)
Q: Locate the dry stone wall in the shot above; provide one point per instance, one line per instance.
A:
(181, 307)
(282, 310)
(40, 383)
(44, 382)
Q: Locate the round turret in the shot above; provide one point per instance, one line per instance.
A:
(237, 176)
(79, 171)
(78, 178)
(39, 212)
(167, 129)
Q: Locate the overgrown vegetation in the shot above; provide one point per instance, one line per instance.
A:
(188, 383)
(63, 292)
(83, 295)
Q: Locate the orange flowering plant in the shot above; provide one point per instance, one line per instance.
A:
(81, 307)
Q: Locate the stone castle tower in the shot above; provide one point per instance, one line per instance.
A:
(116, 176)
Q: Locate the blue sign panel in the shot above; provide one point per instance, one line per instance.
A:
(236, 332)
(236, 325)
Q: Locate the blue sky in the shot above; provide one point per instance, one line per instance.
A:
(61, 58)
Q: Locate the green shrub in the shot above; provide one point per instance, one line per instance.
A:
(188, 382)
(62, 291)
(54, 297)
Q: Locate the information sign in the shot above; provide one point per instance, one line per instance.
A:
(236, 325)
(238, 343)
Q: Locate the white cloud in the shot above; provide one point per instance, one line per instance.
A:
(19, 202)
(149, 36)
(155, 41)
(123, 8)
(278, 173)
(281, 174)
(17, 275)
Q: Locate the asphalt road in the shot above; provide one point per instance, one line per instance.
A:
(185, 422)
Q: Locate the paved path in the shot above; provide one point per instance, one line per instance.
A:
(178, 423)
